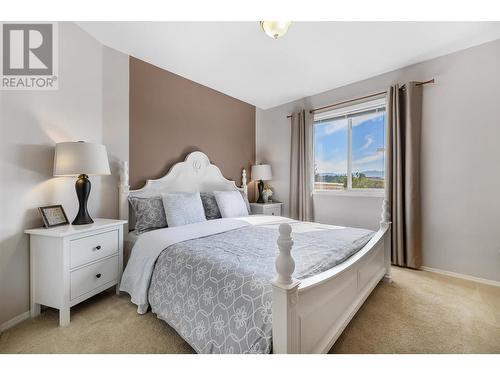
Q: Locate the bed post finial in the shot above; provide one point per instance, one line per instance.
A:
(124, 173)
(123, 192)
(286, 335)
(285, 265)
(385, 224)
(244, 184)
(385, 217)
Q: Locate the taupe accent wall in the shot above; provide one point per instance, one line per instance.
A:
(171, 116)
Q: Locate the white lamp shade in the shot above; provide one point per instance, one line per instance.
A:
(76, 158)
(262, 172)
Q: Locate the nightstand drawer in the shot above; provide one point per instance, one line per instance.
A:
(275, 211)
(88, 249)
(272, 209)
(88, 278)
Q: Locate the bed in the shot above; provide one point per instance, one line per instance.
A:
(255, 284)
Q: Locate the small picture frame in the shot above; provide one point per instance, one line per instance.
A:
(53, 216)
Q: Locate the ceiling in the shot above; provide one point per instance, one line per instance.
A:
(238, 59)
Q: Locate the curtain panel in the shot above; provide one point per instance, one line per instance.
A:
(404, 118)
(301, 166)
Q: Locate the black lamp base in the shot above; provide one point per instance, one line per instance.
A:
(261, 190)
(82, 187)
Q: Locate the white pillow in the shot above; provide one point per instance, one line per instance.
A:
(231, 203)
(183, 208)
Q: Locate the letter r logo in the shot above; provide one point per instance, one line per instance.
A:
(27, 49)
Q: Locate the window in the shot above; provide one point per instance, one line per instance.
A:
(349, 148)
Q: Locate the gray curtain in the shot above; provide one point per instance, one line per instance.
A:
(404, 116)
(301, 167)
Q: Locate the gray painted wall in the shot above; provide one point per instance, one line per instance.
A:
(460, 159)
(92, 105)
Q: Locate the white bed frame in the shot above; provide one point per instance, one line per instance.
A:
(310, 314)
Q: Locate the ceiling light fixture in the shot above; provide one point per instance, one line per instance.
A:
(275, 29)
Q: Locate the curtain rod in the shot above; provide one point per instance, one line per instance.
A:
(361, 98)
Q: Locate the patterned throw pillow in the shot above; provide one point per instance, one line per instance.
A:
(183, 208)
(149, 213)
(210, 206)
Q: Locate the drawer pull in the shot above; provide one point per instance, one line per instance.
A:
(98, 275)
(98, 247)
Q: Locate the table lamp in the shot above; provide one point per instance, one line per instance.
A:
(261, 172)
(81, 159)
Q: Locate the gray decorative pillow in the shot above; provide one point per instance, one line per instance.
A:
(183, 208)
(210, 206)
(149, 213)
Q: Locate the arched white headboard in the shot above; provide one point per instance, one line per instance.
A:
(196, 173)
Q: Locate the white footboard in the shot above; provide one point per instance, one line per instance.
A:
(309, 315)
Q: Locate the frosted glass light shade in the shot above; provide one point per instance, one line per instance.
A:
(262, 172)
(275, 29)
(76, 158)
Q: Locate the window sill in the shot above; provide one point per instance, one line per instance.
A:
(351, 193)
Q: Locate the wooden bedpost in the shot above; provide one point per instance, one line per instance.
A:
(385, 224)
(285, 297)
(123, 189)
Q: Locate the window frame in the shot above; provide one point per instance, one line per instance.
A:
(344, 111)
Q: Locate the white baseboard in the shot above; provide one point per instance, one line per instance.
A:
(15, 320)
(462, 276)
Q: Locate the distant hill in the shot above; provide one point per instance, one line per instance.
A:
(369, 173)
(330, 174)
(374, 173)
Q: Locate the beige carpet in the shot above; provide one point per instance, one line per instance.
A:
(419, 312)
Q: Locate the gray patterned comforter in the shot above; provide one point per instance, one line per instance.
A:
(216, 292)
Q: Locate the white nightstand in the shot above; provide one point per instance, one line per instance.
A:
(273, 208)
(71, 263)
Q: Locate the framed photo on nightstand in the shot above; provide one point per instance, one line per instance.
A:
(53, 216)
